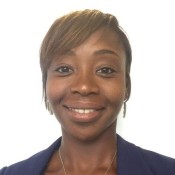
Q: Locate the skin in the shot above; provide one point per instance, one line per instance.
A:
(92, 77)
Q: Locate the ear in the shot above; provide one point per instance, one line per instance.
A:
(128, 87)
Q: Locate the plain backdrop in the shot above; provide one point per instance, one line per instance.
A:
(26, 127)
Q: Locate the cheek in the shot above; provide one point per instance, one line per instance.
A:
(115, 92)
(116, 102)
(116, 99)
(54, 90)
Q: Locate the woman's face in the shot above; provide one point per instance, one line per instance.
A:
(86, 86)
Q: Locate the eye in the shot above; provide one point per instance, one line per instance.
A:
(64, 70)
(105, 71)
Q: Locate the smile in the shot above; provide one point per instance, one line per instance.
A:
(82, 111)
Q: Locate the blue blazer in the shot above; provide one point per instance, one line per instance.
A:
(132, 160)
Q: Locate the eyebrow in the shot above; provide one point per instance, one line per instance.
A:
(105, 51)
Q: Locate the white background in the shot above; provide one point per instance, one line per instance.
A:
(26, 127)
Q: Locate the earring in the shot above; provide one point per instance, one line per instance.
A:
(124, 109)
(124, 104)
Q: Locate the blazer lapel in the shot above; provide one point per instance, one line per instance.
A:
(129, 160)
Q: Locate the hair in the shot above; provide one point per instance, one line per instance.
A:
(70, 30)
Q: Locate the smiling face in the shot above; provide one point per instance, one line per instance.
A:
(86, 86)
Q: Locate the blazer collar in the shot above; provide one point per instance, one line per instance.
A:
(130, 160)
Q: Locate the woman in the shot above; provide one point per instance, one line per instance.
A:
(85, 61)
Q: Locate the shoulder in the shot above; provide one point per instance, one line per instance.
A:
(139, 159)
(34, 165)
(157, 162)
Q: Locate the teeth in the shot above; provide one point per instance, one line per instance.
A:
(83, 111)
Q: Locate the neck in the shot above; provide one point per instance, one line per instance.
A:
(87, 155)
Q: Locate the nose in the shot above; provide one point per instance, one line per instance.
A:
(84, 85)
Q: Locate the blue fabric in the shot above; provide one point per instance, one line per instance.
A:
(132, 160)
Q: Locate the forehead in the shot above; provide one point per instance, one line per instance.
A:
(104, 37)
(103, 43)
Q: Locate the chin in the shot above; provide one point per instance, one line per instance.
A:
(89, 135)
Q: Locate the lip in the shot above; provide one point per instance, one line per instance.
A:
(84, 112)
